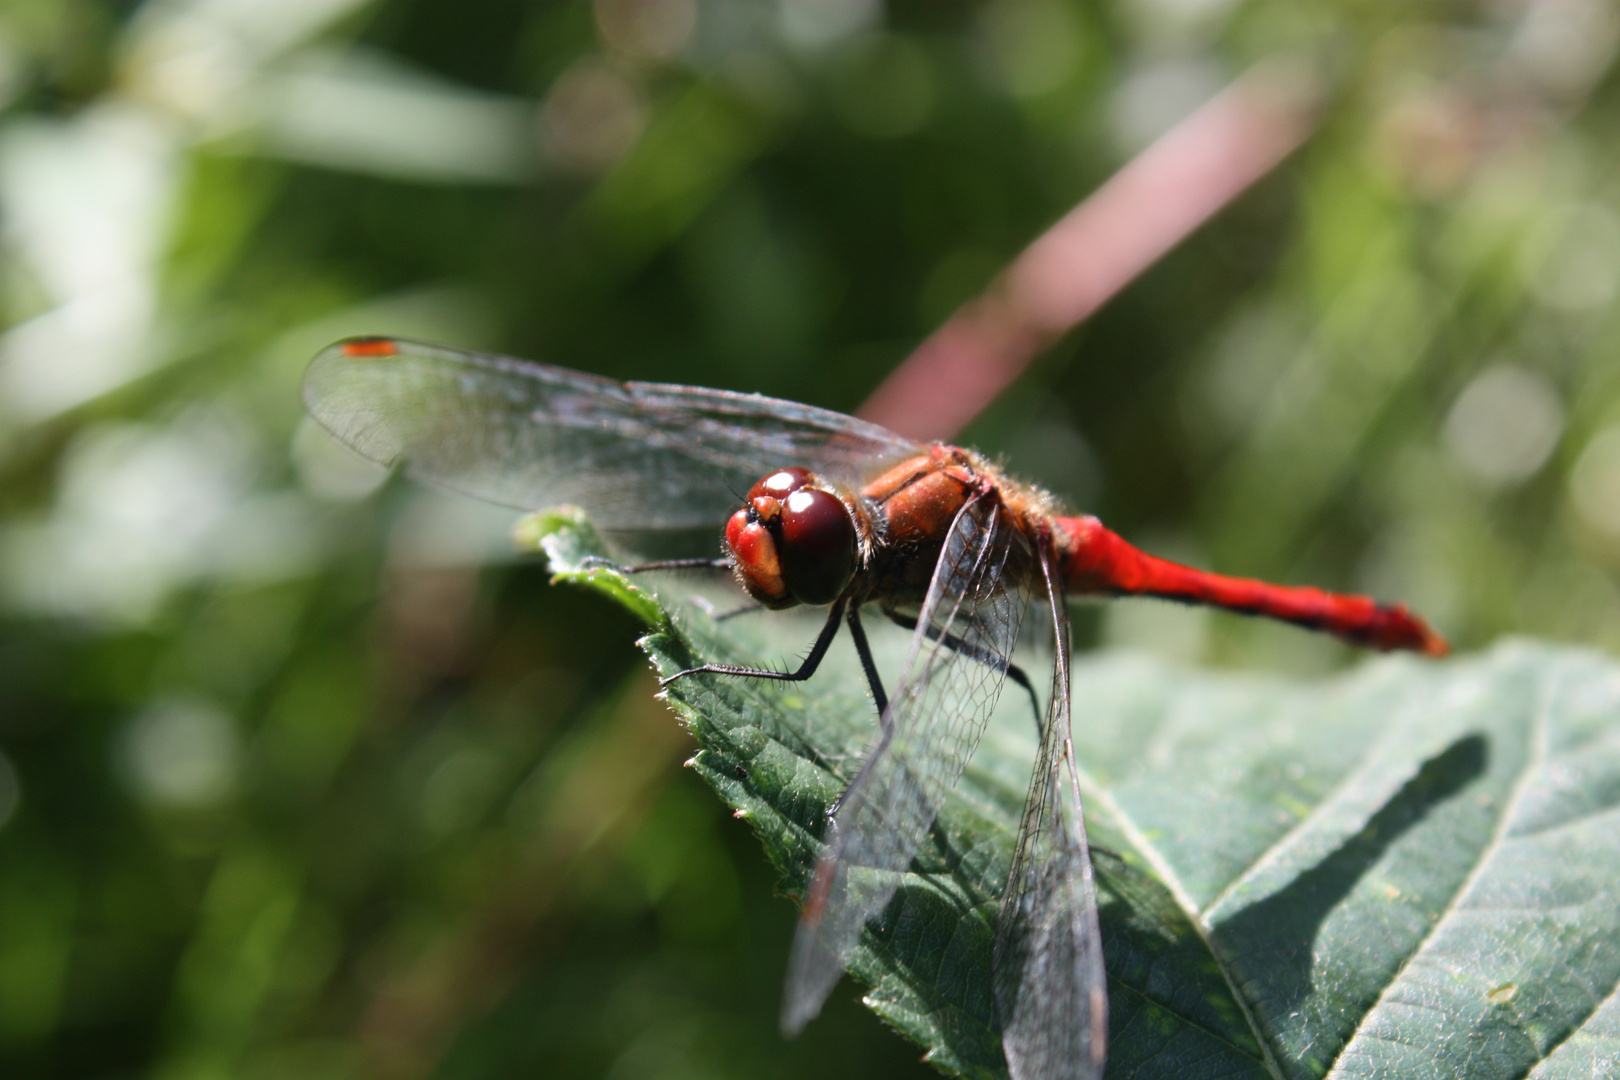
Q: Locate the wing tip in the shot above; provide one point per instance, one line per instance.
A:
(795, 1017)
(366, 347)
(804, 995)
(328, 391)
(360, 348)
(810, 976)
(325, 363)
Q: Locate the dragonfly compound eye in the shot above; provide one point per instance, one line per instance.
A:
(815, 545)
(781, 483)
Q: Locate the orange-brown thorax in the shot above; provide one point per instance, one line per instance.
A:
(917, 500)
(920, 497)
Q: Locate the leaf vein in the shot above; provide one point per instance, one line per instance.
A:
(1115, 985)
(1578, 821)
(1576, 1029)
(1536, 738)
(1178, 893)
(1351, 779)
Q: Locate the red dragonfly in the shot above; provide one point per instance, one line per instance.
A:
(847, 515)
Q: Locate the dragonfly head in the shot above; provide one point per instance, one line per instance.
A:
(793, 541)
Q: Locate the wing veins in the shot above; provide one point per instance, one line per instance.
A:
(1051, 990)
(937, 714)
(635, 456)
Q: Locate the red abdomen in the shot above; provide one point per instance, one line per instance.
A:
(1097, 560)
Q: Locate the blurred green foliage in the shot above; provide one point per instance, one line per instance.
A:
(302, 778)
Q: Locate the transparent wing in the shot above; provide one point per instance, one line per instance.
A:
(1051, 996)
(634, 456)
(958, 663)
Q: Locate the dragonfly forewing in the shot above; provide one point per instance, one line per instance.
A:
(1051, 992)
(953, 676)
(634, 456)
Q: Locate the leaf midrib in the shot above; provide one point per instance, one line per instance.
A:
(1183, 900)
(1536, 756)
(1534, 759)
(1364, 766)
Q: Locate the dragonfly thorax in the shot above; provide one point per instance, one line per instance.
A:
(793, 542)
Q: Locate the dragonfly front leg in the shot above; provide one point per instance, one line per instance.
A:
(746, 609)
(811, 662)
(806, 669)
(594, 562)
(598, 562)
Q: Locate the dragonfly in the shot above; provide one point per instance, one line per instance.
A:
(845, 515)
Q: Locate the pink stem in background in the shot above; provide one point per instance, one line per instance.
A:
(1098, 248)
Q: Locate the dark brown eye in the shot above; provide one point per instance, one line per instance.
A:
(816, 545)
(781, 483)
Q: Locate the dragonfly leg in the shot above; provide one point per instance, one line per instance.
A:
(1107, 853)
(879, 698)
(973, 652)
(952, 642)
(708, 608)
(806, 669)
(885, 727)
(594, 562)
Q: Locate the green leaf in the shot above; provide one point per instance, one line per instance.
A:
(1410, 870)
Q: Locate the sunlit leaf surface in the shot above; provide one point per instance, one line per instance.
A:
(1409, 870)
(295, 784)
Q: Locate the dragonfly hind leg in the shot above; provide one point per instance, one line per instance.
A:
(952, 642)
(973, 652)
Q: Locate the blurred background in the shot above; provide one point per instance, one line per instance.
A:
(302, 774)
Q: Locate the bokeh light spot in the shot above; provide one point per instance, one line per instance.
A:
(458, 791)
(592, 117)
(1504, 425)
(1573, 261)
(181, 752)
(1035, 46)
(812, 24)
(1594, 484)
(1153, 98)
(646, 29)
